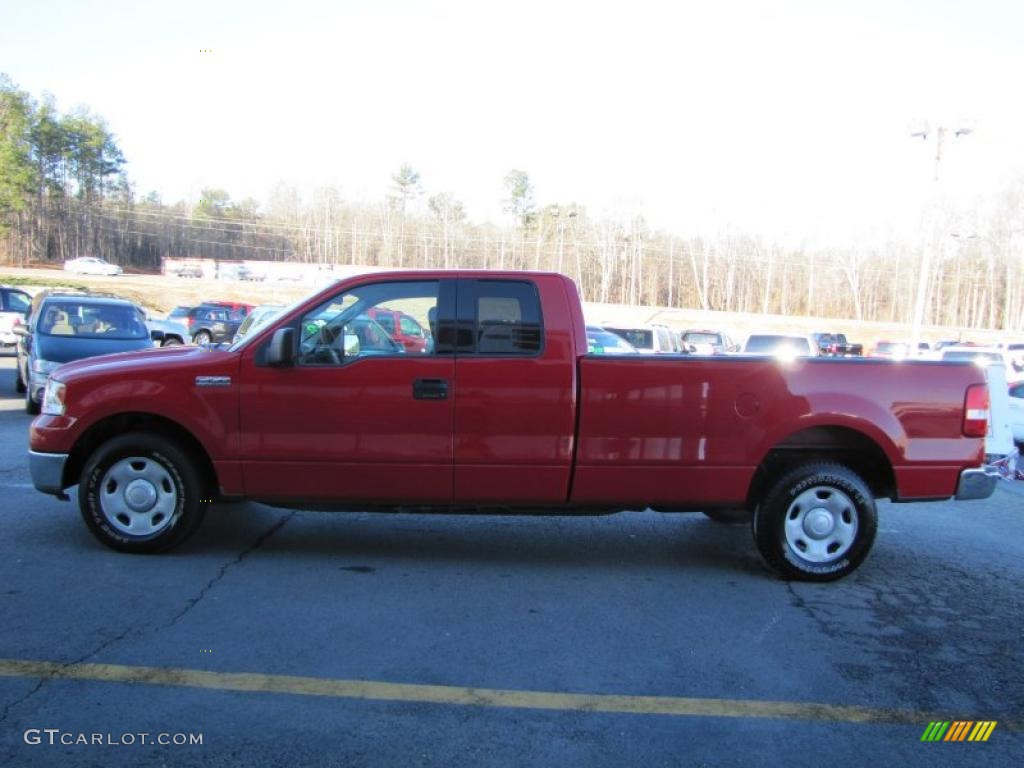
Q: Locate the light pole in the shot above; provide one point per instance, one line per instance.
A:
(556, 213)
(921, 300)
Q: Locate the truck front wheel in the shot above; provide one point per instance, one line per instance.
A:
(141, 493)
(817, 523)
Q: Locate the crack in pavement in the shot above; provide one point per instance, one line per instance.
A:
(259, 542)
(256, 544)
(80, 660)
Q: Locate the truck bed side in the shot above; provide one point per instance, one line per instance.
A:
(695, 431)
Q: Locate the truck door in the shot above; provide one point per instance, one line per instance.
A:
(515, 393)
(358, 418)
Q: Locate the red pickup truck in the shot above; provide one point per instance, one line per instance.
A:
(506, 412)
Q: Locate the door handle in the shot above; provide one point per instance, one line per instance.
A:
(430, 389)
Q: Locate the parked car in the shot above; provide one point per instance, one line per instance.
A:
(175, 333)
(707, 343)
(213, 324)
(836, 345)
(1009, 358)
(14, 308)
(240, 272)
(780, 345)
(508, 412)
(187, 270)
(256, 318)
(91, 265)
(1013, 353)
(1017, 412)
(604, 342)
(403, 328)
(979, 355)
(70, 327)
(649, 340)
(826, 343)
(239, 309)
(845, 348)
(893, 350)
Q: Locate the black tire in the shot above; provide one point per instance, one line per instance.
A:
(171, 341)
(203, 337)
(789, 525)
(19, 383)
(180, 502)
(729, 516)
(32, 408)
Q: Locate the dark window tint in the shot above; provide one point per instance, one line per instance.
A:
(508, 318)
(638, 337)
(17, 302)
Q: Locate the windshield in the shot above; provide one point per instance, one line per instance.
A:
(774, 344)
(602, 342)
(258, 324)
(640, 338)
(696, 337)
(92, 321)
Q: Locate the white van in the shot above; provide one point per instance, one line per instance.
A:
(999, 441)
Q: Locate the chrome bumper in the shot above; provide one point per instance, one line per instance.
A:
(976, 484)
(47, 471)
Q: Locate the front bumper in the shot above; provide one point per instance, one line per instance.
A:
(976, 484)
(47, 471)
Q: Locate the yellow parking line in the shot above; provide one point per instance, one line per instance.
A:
(473, 697)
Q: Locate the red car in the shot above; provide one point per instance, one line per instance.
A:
(507, 411)
(403, 328)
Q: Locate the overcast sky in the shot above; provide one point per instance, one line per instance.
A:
(786, 118)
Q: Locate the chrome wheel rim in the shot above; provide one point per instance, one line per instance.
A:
(821, 524)
(138, 497)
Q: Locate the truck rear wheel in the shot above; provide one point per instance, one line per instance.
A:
(817, 523)
(141, 493)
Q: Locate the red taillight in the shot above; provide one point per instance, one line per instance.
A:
(976, 411)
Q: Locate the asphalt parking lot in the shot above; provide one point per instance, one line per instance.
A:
(304, 638)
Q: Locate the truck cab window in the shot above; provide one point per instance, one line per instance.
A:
(505, 315)
(375, 320)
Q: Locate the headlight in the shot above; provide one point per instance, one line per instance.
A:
(43, 367)
(53, 398)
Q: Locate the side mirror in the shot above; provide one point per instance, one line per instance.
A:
(281, 352)
(156, 335)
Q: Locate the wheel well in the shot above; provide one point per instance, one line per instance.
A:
(113, 426)
(840, 445)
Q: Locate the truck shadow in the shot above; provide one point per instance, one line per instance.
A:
(624, 540)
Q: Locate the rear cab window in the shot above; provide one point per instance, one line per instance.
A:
(500, 318)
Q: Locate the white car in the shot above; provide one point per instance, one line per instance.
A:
(175, 333)
(14, 306)
(987, 356)
(780, 345)
(1017, 412)
(91, 265)
(648, 339)
(257, 317)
